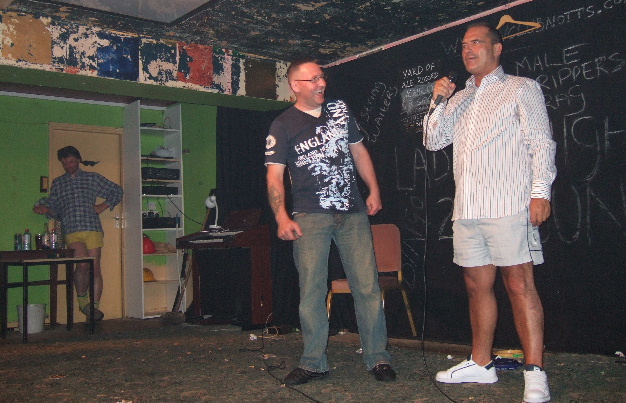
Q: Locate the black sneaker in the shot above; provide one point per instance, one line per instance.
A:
(98, 315)
(300, 376)
(383, 373)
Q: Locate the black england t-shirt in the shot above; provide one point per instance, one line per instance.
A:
(316, 152)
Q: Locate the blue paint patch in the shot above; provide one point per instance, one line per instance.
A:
(75, 42)
(218, 64)
(158, 52)
(184, 64)
(218, 71)
(236, 76)
(120, 59)
(61, 41)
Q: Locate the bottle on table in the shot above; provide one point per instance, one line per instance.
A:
(45, 244)
(17, 241)
(26, 240)
(54, 239)
(58, 228)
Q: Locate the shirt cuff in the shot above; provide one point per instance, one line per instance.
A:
(540, 190)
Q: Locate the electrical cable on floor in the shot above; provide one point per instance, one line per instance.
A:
(270, 368)
(262, 338)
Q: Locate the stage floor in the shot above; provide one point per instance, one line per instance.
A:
(141, 361)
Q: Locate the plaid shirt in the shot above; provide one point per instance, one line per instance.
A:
(72, 200)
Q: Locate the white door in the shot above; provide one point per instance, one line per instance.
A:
(101, 145)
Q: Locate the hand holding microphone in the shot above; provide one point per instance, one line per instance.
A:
(444, 87)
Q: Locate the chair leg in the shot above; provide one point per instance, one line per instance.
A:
(329, 301)
(409, 312)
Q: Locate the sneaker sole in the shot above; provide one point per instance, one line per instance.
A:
(467, 380)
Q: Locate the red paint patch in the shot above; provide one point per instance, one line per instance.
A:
(195, 64)
(72, 69)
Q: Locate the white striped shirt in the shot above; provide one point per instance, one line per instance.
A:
(503, 152)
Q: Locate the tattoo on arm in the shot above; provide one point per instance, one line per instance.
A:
(275, 199)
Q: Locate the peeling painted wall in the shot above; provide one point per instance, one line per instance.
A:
(24, 38)
(61, 46)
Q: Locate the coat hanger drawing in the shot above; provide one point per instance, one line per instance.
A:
(508, 19)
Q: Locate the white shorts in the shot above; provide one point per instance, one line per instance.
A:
(504, 241)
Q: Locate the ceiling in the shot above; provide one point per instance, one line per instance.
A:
(152, 10)
(330, 30)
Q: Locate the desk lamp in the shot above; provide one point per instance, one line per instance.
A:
(211, 202)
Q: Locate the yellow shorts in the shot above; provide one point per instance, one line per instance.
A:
(91, 239)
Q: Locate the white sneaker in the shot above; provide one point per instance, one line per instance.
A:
(536, 389)
(468, 371)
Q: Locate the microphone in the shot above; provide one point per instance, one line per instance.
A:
(452, 77)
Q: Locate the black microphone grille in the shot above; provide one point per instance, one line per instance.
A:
(452, 76)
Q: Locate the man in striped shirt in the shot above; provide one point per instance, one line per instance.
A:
(504, 167)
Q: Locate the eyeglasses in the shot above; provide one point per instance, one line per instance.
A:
(315, 79)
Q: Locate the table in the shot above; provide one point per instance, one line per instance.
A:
(45, 257)
(254, 282)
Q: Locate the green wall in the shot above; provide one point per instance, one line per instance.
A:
(199, 162)
(24, 154)
(24, 158)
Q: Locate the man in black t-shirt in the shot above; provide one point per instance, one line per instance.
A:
(320, 143)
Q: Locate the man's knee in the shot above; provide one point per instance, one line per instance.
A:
(82, 269)
(519, 280)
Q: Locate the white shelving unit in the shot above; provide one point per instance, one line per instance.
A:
(146, 196)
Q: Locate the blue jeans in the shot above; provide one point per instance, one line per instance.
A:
(353, 236)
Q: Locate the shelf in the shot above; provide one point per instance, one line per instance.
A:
(160, 254)
(161, 282)
(161, 180)
(150, 299)
(159, 159)
(157, 131)
(159, 297)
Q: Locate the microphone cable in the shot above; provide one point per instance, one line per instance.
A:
(269, 368)
(426, 238)
(177, 208)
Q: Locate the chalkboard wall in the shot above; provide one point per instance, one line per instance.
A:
(578, 56)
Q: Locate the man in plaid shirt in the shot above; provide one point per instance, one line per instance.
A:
(72, 200)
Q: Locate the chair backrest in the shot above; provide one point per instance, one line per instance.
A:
(387, 247)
